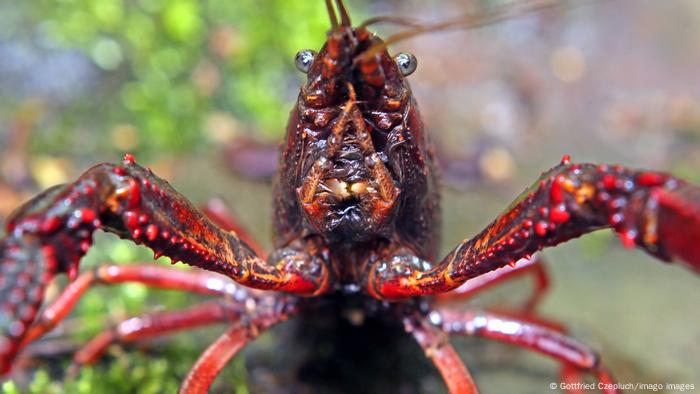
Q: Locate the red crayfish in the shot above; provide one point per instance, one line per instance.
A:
(357, 217)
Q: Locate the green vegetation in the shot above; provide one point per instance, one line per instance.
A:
(165, 69)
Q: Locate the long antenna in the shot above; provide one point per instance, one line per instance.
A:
(331, 14)
(408, 22)
(344, 16)
(488, 17)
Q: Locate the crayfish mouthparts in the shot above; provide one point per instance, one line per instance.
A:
(344, 190)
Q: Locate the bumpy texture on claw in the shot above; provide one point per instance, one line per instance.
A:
(653, 211)
(25, 271)
(52, 232)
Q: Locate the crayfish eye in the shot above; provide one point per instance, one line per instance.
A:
(304, 59)
(407, 63)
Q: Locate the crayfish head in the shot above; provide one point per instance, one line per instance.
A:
(355, 159)
(348, 186)
(357, 57)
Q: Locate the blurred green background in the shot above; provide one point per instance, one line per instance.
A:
(175, 82)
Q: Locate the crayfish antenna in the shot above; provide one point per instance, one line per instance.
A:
(331, 14)
(478, 19)
(344, 16)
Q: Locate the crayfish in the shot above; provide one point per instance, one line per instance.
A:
(357, 218)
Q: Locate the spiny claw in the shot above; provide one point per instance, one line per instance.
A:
(26, 268)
